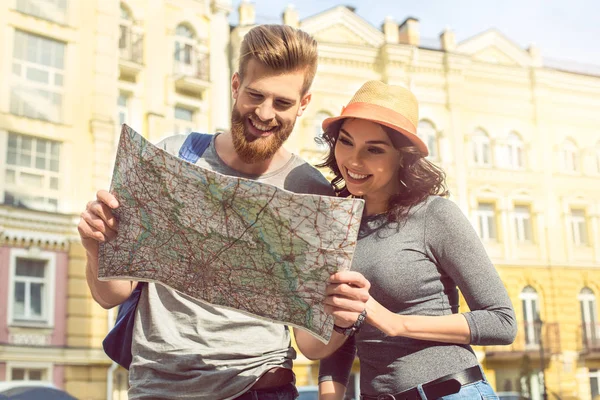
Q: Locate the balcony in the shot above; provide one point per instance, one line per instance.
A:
(131, 54)
(590, 341)
(192, 73)
(531, 341)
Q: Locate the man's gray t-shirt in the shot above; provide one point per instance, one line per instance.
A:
(183, 348)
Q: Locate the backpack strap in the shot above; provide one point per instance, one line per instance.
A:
(194, 146)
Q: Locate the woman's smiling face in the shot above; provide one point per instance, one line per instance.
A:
(368, 160)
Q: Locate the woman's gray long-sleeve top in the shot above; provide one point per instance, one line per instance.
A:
(414, 268)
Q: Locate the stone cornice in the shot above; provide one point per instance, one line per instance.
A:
(55, 355)
(347, 51)
(342, 15)
(24, 228)
(345, 62)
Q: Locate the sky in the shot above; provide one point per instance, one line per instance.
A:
(566, 30)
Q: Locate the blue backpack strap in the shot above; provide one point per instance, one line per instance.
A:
(194, 146)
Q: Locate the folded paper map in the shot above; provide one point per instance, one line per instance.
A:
(227, 241)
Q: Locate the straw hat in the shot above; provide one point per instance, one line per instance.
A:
(392, 106)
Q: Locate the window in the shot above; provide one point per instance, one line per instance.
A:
(51, 10)
(184, 44)
(188, 60)
(486, 221)
(124, 26)
(32, 173)
(123, 109)
(31, 288)
(123, 115)
(28, 374)
(184, 120)
(522, 218)
(589, 318)
(38, 77)
(481, 148)
(595, 382)
(130, 41)
(529, 302)
(570, 156)
(428, 134)
(515, 151)
(579, 228)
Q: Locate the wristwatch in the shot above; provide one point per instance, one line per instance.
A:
(354, 328)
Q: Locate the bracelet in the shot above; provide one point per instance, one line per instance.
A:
(354, 328)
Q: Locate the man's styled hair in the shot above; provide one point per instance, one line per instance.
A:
(282, 49)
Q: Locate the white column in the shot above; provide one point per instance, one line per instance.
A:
(510, 235)
(504, 230)
(158, 38)
(542, 238)
(220, 72)
(104, 104)
(568, 230)
(595, 239)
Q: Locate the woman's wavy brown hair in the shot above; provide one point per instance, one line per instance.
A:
(419, 178)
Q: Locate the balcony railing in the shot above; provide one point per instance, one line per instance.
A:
(131, 46)
(528, 341)
(192, 64)
(590, 338)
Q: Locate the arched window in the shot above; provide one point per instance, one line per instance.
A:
(529, 301)
(125, 27)
(184, 44)
(131, 37)
(429, 135)
(589, 318)
(515, 151)
(579, 227)
(190, 60)
(570, 156)
(482, 154)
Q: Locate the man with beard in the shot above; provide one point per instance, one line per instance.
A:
(181, 347)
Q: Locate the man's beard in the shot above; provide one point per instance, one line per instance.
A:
(252, 149)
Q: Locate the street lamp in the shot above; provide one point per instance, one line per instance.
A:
(539, 323)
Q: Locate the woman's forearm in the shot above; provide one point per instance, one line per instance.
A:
(451, 328)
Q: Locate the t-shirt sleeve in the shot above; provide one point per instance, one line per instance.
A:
(457, 250)
(308, 180)
(172, 144)
(337, 366)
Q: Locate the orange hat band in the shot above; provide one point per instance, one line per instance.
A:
(376, 113)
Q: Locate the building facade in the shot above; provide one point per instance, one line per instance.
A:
(518, 137)
(75, 71)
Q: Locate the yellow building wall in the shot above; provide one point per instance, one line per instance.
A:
(489, 83)
(485, 82)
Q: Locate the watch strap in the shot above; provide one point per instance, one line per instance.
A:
(354, 328)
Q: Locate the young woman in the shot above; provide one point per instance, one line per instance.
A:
(415, 248)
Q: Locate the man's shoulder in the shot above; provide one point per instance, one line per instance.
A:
(304, 178)
(172, 143)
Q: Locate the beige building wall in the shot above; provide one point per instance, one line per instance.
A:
(75, 71)
(518, 139)
(520, 144)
